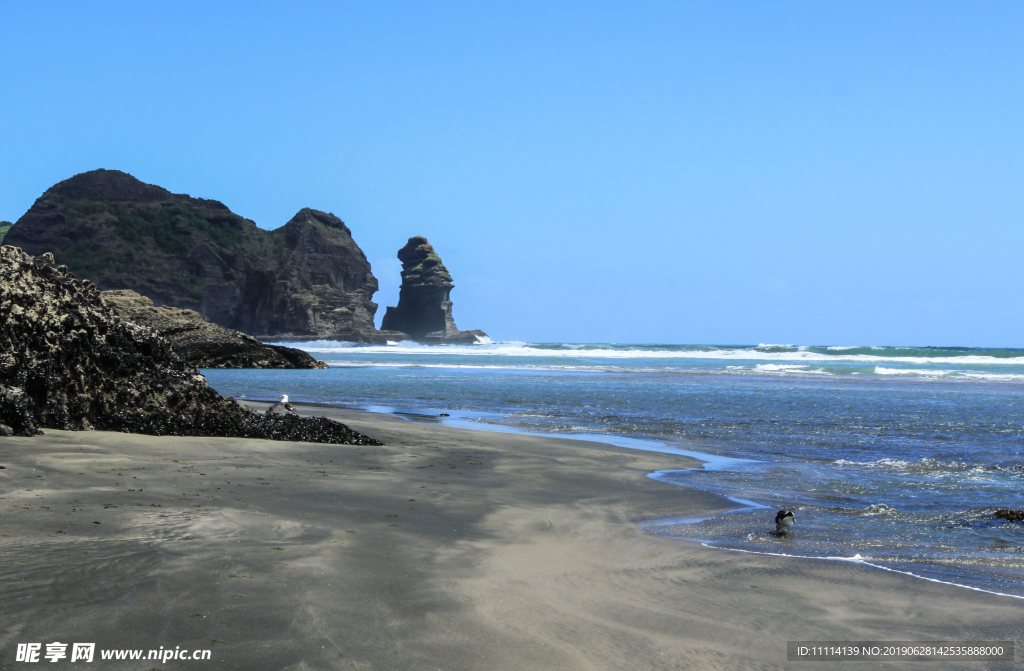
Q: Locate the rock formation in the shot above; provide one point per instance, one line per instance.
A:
(424, 309)
(305, 280)
(67, 361)
(201, 343)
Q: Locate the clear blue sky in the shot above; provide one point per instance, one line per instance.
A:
(743, 172)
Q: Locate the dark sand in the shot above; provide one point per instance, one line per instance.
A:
(446, 549)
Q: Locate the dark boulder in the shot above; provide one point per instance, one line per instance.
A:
(424, 308)
(201, 343)
(1010, 515)
(68, 361)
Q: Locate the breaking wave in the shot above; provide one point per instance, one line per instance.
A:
(911, 363)
(763, 352)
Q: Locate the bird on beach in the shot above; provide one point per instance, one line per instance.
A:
(282, 407)
(784, 519)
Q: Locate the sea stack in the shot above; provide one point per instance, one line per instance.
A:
(424, 308)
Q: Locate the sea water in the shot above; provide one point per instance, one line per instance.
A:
(900, 455)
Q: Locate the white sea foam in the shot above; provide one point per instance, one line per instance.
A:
(468, 366)
(609, 367)
(522, 349)
(1003, 377)
(878, 509)
(781, 367)
(790, 368)
(623, 368)
(926, 466)
(859, 559)
(950, 374)
(856, 558)
(923, 372)
(885, 462)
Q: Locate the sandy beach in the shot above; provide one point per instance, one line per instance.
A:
(444, 549)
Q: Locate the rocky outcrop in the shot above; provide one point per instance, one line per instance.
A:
(321, 288)
(68, 361)
(424, 308)
(201, 343)
(305, 280)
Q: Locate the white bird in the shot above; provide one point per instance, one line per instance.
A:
(282, 407)
(784, 519)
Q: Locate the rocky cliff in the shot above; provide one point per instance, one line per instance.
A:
(305, 280)
(67, 361)
(424, 308)
(201, 343)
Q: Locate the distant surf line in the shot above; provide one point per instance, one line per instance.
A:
(766, 370)
(801, 355)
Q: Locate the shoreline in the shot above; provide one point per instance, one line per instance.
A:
(705, 461)
(522, 552)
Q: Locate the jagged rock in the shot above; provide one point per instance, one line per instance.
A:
(201, 343)
(68, 361)
(424, 308)
(305, 280)
(322, 287)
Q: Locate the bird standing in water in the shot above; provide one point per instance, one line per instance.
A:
(784, 519)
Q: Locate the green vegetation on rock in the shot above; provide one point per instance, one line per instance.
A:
(168, 227)
(150, 241)
(4, 227)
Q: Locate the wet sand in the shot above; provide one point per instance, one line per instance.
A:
(445, 549)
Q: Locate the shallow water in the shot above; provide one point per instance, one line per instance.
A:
(900, 455)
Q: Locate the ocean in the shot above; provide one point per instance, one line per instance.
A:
(894, 456)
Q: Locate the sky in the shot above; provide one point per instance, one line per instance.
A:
(841, 173)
